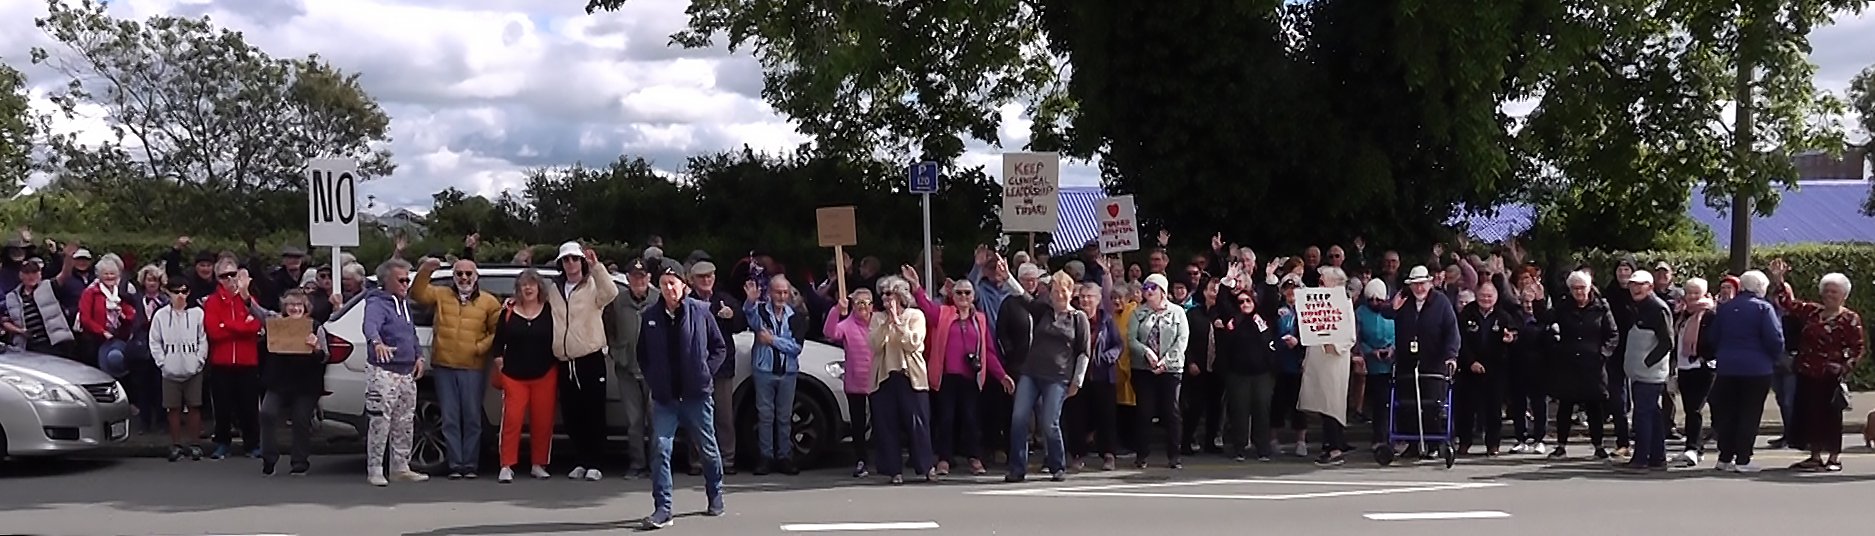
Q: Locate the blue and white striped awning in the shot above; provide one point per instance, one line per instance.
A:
(1079, 221)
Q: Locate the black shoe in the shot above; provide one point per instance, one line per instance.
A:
(299, 470)
(195, 453)
(788, 468)
(1559, 453)
(176, 452)
(1601, 453)
(266, 468)
(1331, 459)
(762, 469)
(1176, 464)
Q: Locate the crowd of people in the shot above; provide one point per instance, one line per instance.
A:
(1091, 361)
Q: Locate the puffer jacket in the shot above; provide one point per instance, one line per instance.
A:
(464, 330)
(579, 319)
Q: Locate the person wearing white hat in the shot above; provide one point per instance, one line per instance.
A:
(1426, 338)
(579, 308)
(1158, 340)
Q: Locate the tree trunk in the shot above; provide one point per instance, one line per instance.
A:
(1743, 138)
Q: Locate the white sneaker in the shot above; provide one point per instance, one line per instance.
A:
(593, 475)
(1520, 448)
(1746, 468)
(1540, 449)
(505, 476)
(540, 472)
(377, 480)
(1726, 467)
(578, 473)
(412, 476)
(1688, 459)
(1302, 449)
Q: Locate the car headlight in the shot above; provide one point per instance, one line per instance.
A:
(837, 369)
(39, 391)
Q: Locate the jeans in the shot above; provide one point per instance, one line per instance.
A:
(298, 408)
(1695, 387)
(697, 415)
(1049, 395)
(1650, 426)
(902, 417)
(459, 392)
(1247, 412)
(723, 410)
(1157, 397)
(1737, 406)
(774, 416)
(1784, 387)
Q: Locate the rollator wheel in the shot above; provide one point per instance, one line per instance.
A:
(1449, 454)
(1384, 456)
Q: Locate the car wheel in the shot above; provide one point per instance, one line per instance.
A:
(813, 427)
(429, 454)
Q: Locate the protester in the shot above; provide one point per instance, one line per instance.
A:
(465, 321)
(1646, 344)
(780, 331)
(1621, 304)
(1093, 412)
(1426, 324)
(627, 317)
(1246, 354)
(1831, 344)
(962, 360)
(293, 384)
(179, 346)
(76, 273)
(1159, 338)
(233, 361)
(524, 365)
(1325, 370)
(680, 347)
(282, 279)
(107, 317)
(730, 320)
(36, 320)
(1529, 398)
(850, 328)
(392, 372)
(900, 383)
(1584, 337)
(1487, 333)
(1375, 342)
(1694, 359)
(1203, 390)
(578, 306)
(1289, 357)
(1060, 346)
(144, 383)
(1750, 341)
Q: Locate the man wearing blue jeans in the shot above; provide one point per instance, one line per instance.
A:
(679, 347)
(464, 335)
(1647, 346)
(776, 359)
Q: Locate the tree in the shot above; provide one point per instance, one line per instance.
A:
(456, 213)
(1862, 100)
(17, 132)
(210, 132)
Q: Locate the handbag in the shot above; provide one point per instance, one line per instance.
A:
(1840, 400)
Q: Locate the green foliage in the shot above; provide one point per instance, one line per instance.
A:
(208, 130)
(1862, 101)
(18, 132)
(1808, 265)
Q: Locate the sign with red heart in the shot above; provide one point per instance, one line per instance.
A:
(1119, 225)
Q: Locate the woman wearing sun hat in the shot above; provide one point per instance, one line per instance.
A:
(1158, 341)
(578, 305)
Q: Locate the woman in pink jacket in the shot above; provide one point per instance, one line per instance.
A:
(961, 358)
(849, 326)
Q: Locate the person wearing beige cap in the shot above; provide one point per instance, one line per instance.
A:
(578, 307)
(1158, 341)
(731, 320)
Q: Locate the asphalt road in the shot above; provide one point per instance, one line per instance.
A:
(1511, 495)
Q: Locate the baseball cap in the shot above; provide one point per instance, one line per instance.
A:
(291, 251)
(636, 267)
(1642, 276)
(82, 254)
(1663, 265)
(703, 268)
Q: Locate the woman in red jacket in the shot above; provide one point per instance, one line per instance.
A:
(107, 315)
(233, 360)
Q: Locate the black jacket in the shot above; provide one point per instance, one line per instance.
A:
(1583, 339)
(1198, 346)
(1015, 332)
(1482, 336)
(1246, 345)
(290, 374)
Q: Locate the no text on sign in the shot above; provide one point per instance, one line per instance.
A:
(924, 178)
(1119, 225)
(332, 201)
(837, 226)
(1031, 192)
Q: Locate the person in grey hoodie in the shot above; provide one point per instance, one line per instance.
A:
(392, 372)
(1647, 343)
(627, 315)
(179, 346)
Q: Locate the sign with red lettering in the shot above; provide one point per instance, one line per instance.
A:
(1325, 316)
(1119, 225)
(1031, 192)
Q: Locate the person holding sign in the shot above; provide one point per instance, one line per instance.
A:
(1159, 336)
(1328, 359)
(1486, 334)
(294, 380)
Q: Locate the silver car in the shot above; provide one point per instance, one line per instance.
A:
(51, 405)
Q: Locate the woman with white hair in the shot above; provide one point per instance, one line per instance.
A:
(1749, 338)
(1830, 345)
(898, 384)
(107, 316)
(1325, 370)
(1583, 338)
(1693, 359)
(849, 326)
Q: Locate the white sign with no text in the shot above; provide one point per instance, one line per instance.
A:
(1119, 225)
(1031, 192)
(332, 201)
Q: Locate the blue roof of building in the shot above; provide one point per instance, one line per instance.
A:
(1817, 211)
(1079, 220)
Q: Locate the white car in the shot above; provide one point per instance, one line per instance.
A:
(820, 411)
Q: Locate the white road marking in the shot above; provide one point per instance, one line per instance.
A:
(1429, 516)
(1138, 490)
(842, 527)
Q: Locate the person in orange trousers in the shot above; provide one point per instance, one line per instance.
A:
(525, 364)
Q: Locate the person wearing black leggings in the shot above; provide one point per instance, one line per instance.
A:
(1583, 340)
(1695, 367)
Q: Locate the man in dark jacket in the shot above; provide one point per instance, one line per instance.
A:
(1425, 330)
(679, 348)
(730, 320)
(283, 278)
(1621, 303)
(1014, 329)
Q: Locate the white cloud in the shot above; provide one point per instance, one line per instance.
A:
(481, 90)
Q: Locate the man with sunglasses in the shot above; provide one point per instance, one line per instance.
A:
(464, 333)
(393, 366)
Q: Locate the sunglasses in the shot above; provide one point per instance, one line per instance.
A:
(404, 280)
(863, 303)
(1149, 287)
(229, 275)
(179, 291)
(465, 274)
(962, 292)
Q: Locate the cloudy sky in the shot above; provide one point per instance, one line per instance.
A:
(481, 90)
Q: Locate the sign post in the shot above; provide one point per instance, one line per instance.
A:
(924, 182)
(1119, 225)
(837, 229)
(1031, 193)
(332, 204)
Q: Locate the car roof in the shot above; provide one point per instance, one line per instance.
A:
(501, 270)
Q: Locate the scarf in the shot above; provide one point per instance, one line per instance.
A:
(112, 303)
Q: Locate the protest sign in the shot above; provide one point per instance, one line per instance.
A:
(1325, 316)
(1031, 192)
(332, 201)
(838, 228)
(1119, 226)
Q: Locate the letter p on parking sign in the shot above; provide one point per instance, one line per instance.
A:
(332, 201)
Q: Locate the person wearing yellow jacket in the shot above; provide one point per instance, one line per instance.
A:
(466, 318)
(584, 290)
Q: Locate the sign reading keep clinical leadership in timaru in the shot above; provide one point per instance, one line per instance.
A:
(332, 201)
(1031, 192)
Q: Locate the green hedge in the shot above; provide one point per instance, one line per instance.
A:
(1808, 263)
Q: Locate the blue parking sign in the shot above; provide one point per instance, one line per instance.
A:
(924, 178)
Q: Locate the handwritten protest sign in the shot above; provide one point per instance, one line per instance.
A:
(1031, 192)
(1119, 226)
(1325, 316)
